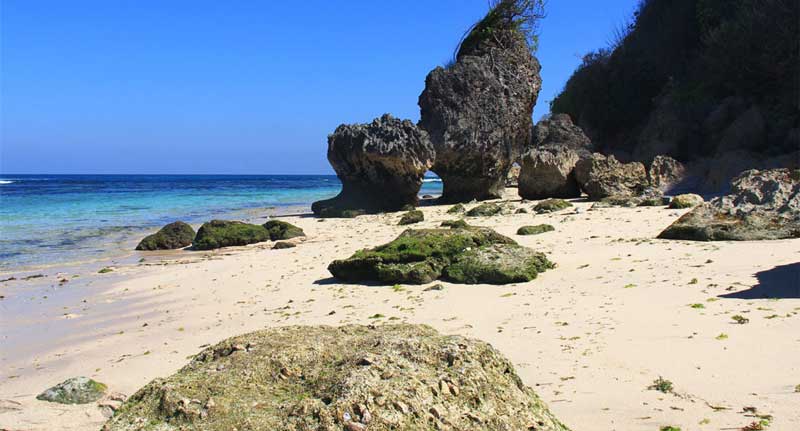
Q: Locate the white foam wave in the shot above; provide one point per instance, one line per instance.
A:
(6, 182)
(432, 180)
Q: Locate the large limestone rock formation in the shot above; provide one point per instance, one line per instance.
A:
(666, 173)
(600, 176)
(381, 166)
(353, 378)
(468, 255)
(762, 205)
(478, 110)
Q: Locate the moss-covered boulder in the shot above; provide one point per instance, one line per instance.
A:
(535, 230)
(421, 256)
(457, 209)
(497, 264)
(353, 378)
(224, 233)
(172, 236)
(551, 205)
(411, 217)
(689, 200)
(455, 224)
(485, 210)
(77, 390)
(280, 245)
(281, 230)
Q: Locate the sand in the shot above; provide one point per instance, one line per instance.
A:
(589, 336)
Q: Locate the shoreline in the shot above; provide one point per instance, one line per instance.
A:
(589, 336)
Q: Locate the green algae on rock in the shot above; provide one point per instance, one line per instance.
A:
(485, 210)
(172, 236)
(224, 233)
(551, 205)
(411, 217)
(281, 230)
(421, 256)
(455, 224)
(497, 264)
(535, 230)
(689, 200)
(457, 209)
(322, 378)
(77, 390)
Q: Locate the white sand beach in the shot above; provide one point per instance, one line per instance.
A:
(590, 336)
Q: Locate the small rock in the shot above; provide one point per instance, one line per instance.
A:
(77, 390)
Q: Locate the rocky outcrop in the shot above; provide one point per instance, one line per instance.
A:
(485, 210)
(512, 178)
(224, 233)
(478, 111)
(172, 236)
(353, 378)
(666, 173)
(281, 230)
(689, 200)
(551, 205)
(549, 173)
(548, 168)
(535, 230)
(600, 176)
(77, 390)
(381, 166)
(762, 205)
(470, 255)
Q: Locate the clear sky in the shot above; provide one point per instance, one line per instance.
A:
(235, 87)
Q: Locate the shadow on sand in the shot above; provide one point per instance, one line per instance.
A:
(779, 282)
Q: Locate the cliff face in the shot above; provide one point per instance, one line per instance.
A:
(694, 79)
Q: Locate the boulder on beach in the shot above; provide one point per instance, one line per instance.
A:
(281, 245)
(689, 200)
(280, 230)
(485, 210)
(77, 390)
(649, 197)
(551, 206)
(224, 233)
(478, 109)
(411, 217)
(461, 255)
(548, 168)
(381, 166)
(355, 378)
(535, 230)
(666, 173)
(600, 176)
(762, 205)
(174, 235)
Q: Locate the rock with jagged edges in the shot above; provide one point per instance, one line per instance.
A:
(665, 173)
(381, 166)
(461, 255)
(172, 236)
(478, 110)
(762, 205)
(600, 176)
(688, 200)
(376, 378)
(77, 390)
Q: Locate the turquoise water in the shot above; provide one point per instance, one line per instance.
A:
(53, 219)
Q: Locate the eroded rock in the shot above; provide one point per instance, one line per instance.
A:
(316, 378)
(77, 390)
(478, 110)
(600, 176)
(381, 166)
(280, 230)
(225, 233)
(762, 205)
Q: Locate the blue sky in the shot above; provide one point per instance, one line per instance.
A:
(235, 87)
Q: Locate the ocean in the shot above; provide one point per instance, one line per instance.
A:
(49, 220)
